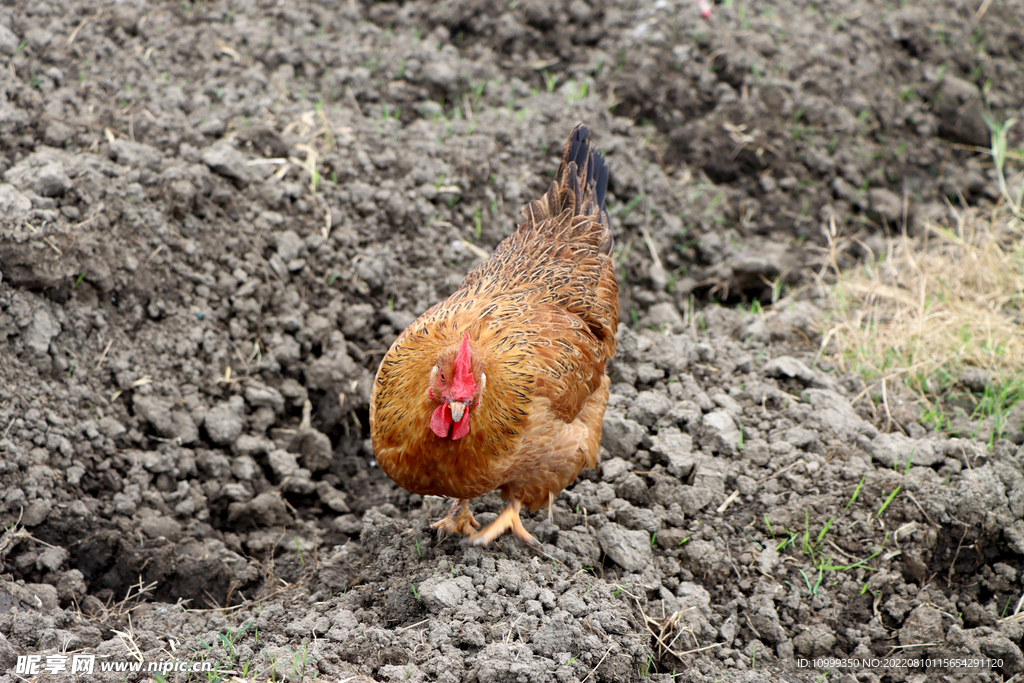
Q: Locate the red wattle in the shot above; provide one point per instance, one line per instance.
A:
(461, 428)
(441, 420)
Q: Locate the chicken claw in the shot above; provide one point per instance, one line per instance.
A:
(507, 520)
(460, 519)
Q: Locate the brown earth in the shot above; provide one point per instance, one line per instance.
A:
(215, 216)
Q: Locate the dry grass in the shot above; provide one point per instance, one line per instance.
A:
(931, 307)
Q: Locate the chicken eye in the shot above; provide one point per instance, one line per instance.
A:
(442, 377)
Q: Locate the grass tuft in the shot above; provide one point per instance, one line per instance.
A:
(931, 307)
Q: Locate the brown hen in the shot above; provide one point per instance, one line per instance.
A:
(503, 384)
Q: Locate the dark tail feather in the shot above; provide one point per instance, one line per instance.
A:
(598, 171)
(590, 162)
(578, 149)
(581, 183)
(596, 168)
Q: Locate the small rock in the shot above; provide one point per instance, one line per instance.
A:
(244, 467)
(580, 544)
(677, 449)
(156, 461)
(40, 331)
(399, 320)
(299, 483)
(404, 673)
(693, 499)
(40, 596)
(975, 379)
(702, 556)
(757, 451)
(50, 180)
(314, 447)
(958, 104)
(998, 646)
(212, 127)
(686, 413)
(720, 432)
(248, 444)
(847, 191)
(224, 159)
(665, 316)
(38, 38)
(621, 372)
(439, 73)
(631, 550)
(924, 625)
(814, 641)
(185, 428)
(800, 437)
(157, 412)
(37, 512)
(447, 593)
(613, 467)
(787, 366)
(768, 560)
(350, 525)
(8, 41)
(266, 509)
(639, 519)
(257, 395)
(111, 428)
(800, 317)
(52, 558)
(136, 154)
(12, 200)
(648, 407)
(236, 493)
(754, 328)
(1014, 535)
(71, 586)
(282, 463)
(835, 414)
(710, 474)
(670, 352)
(288, 245)
(632, 488)
(333, 369)
(887, 205)
(621, 436)
(765, 618)
(223, 424)
(57, 134)
(331, 497)
(155, 527)
(691, 390)
(648, 374)
(899, 449)
(293, 392)
(759, 263)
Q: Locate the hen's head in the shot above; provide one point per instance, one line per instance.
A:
(454, 386)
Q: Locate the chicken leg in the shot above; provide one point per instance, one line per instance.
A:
(507, 520)
(459, 520)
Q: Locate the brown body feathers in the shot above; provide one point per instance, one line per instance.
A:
(541, 315)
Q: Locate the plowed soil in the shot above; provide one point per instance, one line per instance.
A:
(215, 217)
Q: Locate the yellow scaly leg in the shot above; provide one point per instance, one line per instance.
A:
(459, 520)
(508, 520)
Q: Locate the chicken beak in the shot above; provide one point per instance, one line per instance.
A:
(458, 408)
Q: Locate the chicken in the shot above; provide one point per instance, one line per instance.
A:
(502, 386)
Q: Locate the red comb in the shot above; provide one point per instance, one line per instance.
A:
(463, 384)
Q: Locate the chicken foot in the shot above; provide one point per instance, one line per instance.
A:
(459, 520)
(507, 520)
